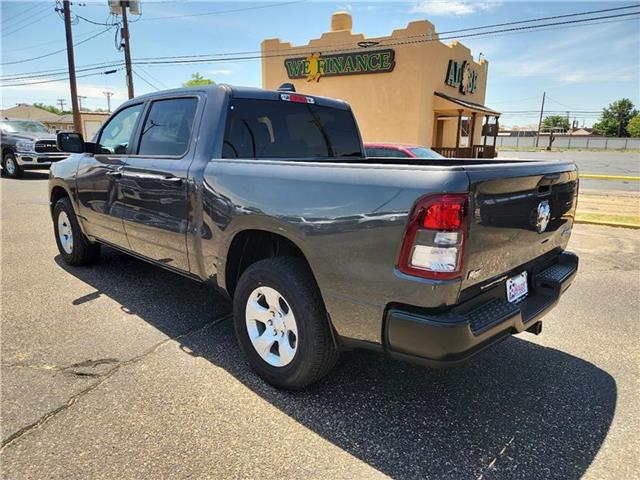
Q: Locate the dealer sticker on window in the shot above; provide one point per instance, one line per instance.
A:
(517, 287)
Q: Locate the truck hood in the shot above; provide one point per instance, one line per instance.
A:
(32, 136)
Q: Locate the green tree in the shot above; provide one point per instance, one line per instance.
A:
(197, 79)
(633, 127)
(48, 108)
(615, 118)
(555, 123)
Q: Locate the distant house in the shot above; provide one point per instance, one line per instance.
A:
(91, 121)
(582, 131)
(29, 112)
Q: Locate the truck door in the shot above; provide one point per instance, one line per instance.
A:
(154, 182)
(99, 195)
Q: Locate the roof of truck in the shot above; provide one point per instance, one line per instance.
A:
(244, 92)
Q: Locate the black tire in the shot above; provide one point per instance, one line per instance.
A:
(18, 171)
(316, 354)
(83, 252)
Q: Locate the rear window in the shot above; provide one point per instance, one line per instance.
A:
(386, 152)
(423, 152)
(279, 129)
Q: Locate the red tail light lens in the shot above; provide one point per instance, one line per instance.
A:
(444, 215)
(438, 253)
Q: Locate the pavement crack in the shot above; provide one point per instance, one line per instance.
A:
(103, 377)
(492, 464)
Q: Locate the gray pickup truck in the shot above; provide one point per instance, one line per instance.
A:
(267, 196)
(27, 145)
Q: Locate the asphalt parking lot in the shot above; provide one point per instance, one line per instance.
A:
(124, 370)
(625, 164)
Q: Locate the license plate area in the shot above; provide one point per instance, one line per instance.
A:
(517, 288)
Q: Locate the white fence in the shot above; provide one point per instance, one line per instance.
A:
(571, 141)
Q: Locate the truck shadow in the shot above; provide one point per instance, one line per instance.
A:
(519, 410)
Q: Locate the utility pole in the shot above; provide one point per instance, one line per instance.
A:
(621, 120)
(109, 95)
(127, 51)
(80, 98)
(73, 87)
(61, 102)
(544, 94)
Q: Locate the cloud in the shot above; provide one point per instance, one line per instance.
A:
(561, 72)
(453, 7)
(345, 8)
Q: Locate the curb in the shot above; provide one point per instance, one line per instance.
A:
(608, 224)
(609, 177)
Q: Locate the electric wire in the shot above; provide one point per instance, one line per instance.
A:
(191, 59)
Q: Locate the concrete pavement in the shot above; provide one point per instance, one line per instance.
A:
(124, 370)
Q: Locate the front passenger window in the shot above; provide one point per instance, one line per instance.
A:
(116, 135)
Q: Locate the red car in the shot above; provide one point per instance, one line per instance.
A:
(399, 150)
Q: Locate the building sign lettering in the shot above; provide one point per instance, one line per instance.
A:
(461, 76)
(316, 65)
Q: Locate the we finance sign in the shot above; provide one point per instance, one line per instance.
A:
(317, 65)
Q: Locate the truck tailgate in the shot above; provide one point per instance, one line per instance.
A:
(519, 212)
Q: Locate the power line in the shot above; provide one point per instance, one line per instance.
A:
(448, 32)
(240, 56)
(190, 58)
(156, 80)
(25, 60)
(145, 80)
(15, 76)
(62, 79)
(30, 21)
(220, 12)
(33, 7)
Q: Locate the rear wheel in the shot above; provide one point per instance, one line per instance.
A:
(281, 323)
(10, 166)
(73, 246)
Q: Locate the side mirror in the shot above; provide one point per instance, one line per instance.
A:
(70, 142)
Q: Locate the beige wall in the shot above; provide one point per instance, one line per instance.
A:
(396, 106)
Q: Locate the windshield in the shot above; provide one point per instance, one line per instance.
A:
(17, 126)
(423, 152)
(280, 129)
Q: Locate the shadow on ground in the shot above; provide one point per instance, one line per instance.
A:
(33, 175)
(518, 410)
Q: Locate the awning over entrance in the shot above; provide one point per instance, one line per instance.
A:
(444, 102)
(462, 127)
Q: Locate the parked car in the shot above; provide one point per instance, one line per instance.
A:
(399, 150)
(267, 196)
(27, 145)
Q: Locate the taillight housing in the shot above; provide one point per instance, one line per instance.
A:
(433, 246)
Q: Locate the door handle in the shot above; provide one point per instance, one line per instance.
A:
(172, 179)
(114, 174)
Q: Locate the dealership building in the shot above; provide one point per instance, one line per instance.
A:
(408, 87)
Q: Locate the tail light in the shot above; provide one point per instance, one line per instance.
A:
(433, 245)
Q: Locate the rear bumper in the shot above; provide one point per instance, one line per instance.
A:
(449, 337)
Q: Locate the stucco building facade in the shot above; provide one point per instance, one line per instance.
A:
(408, 87)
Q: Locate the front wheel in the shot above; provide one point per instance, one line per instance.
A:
(10, 166)
(281, 323)
(73, 246)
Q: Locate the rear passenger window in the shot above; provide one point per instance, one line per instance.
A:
(167, 128)
(279, 129)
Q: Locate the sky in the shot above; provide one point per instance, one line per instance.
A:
(581, 69)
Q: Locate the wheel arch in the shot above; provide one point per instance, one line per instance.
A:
(251, 245)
